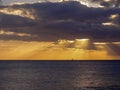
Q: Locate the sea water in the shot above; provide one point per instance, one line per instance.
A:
(59, 75)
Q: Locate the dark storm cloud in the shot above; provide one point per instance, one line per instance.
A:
(14, 21)
(67, 20)
(65, 10)
(85, 29)
(68, 30)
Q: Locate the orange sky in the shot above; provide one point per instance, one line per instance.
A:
(21, 50)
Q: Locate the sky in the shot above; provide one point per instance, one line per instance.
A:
(6, 2)
(94, 2)
(46, 28)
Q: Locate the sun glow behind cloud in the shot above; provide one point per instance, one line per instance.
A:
(19, 12)
(90, 4)
(114, 16)
(108, 24)
(2, 32)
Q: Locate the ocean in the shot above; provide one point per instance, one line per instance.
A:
(59, 75)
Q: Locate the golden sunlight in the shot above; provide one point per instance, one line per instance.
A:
(2, 32)
(109, 24)
(107, 0)
(78, 49)
(114, 16)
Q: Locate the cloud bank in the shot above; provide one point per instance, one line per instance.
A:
(59, 20)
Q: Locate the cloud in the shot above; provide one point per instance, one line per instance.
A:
(53, 21)
(57, 11)
(14, 21)
(65, 10)
(56, 30)
(84, 30)
(108, 3)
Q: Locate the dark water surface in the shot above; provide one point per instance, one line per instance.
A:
(59, 75)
